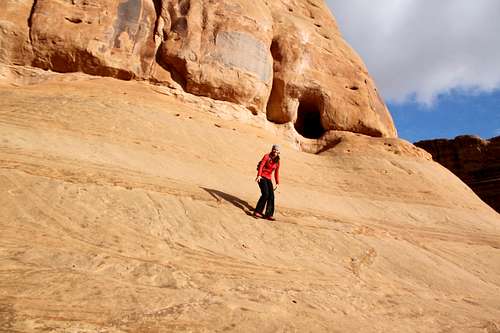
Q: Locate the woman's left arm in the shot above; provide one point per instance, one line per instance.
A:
(277, 174)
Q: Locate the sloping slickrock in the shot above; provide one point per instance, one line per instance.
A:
(123, 209)
(474, 160)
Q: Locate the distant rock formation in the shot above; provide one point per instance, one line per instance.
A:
(474, 160)
(283, 58)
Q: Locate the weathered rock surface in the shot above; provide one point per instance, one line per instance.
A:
(15, 42)
(219, 49)
(123, 209)
(124, 204)
(319, 82)
(104, 37)
(282, 58)
(474, 160)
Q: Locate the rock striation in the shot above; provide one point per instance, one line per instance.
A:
(284, 59)
(127, 199)
(474, 160)
(126, 209)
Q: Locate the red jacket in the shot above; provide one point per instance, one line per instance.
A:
(267, 166)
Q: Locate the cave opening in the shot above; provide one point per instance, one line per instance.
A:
(308, 123)
(276, 51)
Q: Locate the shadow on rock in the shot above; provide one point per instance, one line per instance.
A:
(235, 201)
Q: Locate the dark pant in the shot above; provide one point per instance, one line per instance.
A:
(267, 197)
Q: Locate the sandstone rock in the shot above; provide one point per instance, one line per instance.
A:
(123, 203)
(285, 59)
(15, 21)
(123, 210)
(223, 50)
(474, 160)
(320, 83)
(109, 38)
(219, 49)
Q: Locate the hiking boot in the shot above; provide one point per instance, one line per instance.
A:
(257, 215)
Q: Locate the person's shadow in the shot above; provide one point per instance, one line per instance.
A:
(237, 202)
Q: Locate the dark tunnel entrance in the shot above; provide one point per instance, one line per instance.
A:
(308, 123)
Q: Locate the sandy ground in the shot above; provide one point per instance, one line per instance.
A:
(123, 209)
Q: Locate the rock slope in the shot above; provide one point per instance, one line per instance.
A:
(124, 209)
(129, 136)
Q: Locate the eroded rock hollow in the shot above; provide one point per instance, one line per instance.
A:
(284, 58)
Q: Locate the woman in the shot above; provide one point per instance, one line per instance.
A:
(270, 163)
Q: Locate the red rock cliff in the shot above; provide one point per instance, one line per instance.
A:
(475, 161)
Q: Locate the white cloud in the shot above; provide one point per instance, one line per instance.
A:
(422, 48)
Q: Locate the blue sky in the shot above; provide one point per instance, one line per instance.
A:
(451, 114)
(436, 63)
